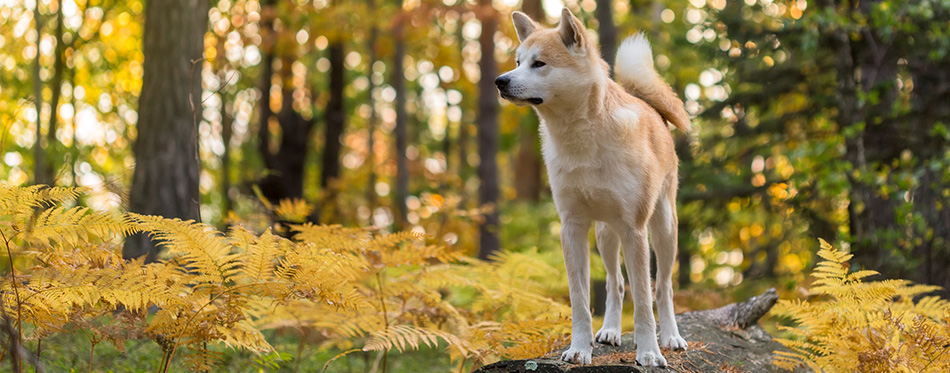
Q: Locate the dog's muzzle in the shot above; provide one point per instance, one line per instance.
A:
(502, 83)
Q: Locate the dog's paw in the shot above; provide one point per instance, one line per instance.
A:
(675, 342)
(577, 356)
(608, 336)
(650, 358)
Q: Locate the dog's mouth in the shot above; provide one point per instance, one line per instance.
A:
(519, 100)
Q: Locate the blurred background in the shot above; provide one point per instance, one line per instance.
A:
(811, 119)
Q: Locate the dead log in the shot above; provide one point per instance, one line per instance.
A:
(726, 339)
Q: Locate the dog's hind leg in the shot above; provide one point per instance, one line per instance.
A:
(576, 248)
(608, 243)
(663, 237)
(636, 255)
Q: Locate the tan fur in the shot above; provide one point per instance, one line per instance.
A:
(610, 159)
(635, 72)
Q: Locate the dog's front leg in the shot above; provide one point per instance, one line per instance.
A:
(574, 244)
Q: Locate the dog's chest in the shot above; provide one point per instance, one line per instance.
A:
(594, 175)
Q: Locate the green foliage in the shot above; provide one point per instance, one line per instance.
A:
(850, 324)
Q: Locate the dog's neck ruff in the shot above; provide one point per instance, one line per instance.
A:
(586, 103)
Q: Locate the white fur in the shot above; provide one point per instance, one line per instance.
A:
(634, 62)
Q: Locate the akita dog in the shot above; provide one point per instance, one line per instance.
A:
(610, 160)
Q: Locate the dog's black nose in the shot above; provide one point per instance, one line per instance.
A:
(502, 81)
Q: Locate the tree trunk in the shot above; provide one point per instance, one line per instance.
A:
(285, 168)
(606, 30)
(929, 97)
(371, 122)
(165, 180)
(39, 153)
(56, 86)
(336, 118)
(227, 121)
(488, 132)
(863, 65)
(684, 231)
(226, 133)
(336, 121)
(402, 163)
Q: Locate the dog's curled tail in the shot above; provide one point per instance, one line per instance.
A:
(635, 72)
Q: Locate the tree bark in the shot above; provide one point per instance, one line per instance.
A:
(56, 87)
(929, 97)
(39, 153)
(165, 180)
(402, 163)
(335, 124)
(227, 130)
(488, 132)
(336, 118)
(606, 31)
(371, 122)
(865, 66)
(285, 168)
(227, 122)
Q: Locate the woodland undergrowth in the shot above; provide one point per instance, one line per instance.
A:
(359, 289)
(849, 324)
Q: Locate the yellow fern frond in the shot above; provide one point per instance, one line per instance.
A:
(403, 337)
(332, 237)
(15, 200)
(862, 326)
(200, 246)
(76, 225)
(293, 210)
(259, 256)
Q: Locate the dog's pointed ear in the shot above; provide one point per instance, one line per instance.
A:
(572, 32)
(524, 26)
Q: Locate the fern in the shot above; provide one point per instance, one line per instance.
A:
(76, 225)
(293, 210)
(403, 337)
(211, 290)
(869, 326)
(199, 246)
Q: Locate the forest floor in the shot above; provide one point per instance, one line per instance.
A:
(70, 353)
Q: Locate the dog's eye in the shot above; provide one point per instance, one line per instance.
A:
(538, 64)
(517, 63)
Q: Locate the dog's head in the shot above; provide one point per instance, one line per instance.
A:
(552, 64)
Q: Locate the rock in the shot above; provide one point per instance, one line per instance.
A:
(726, 339)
